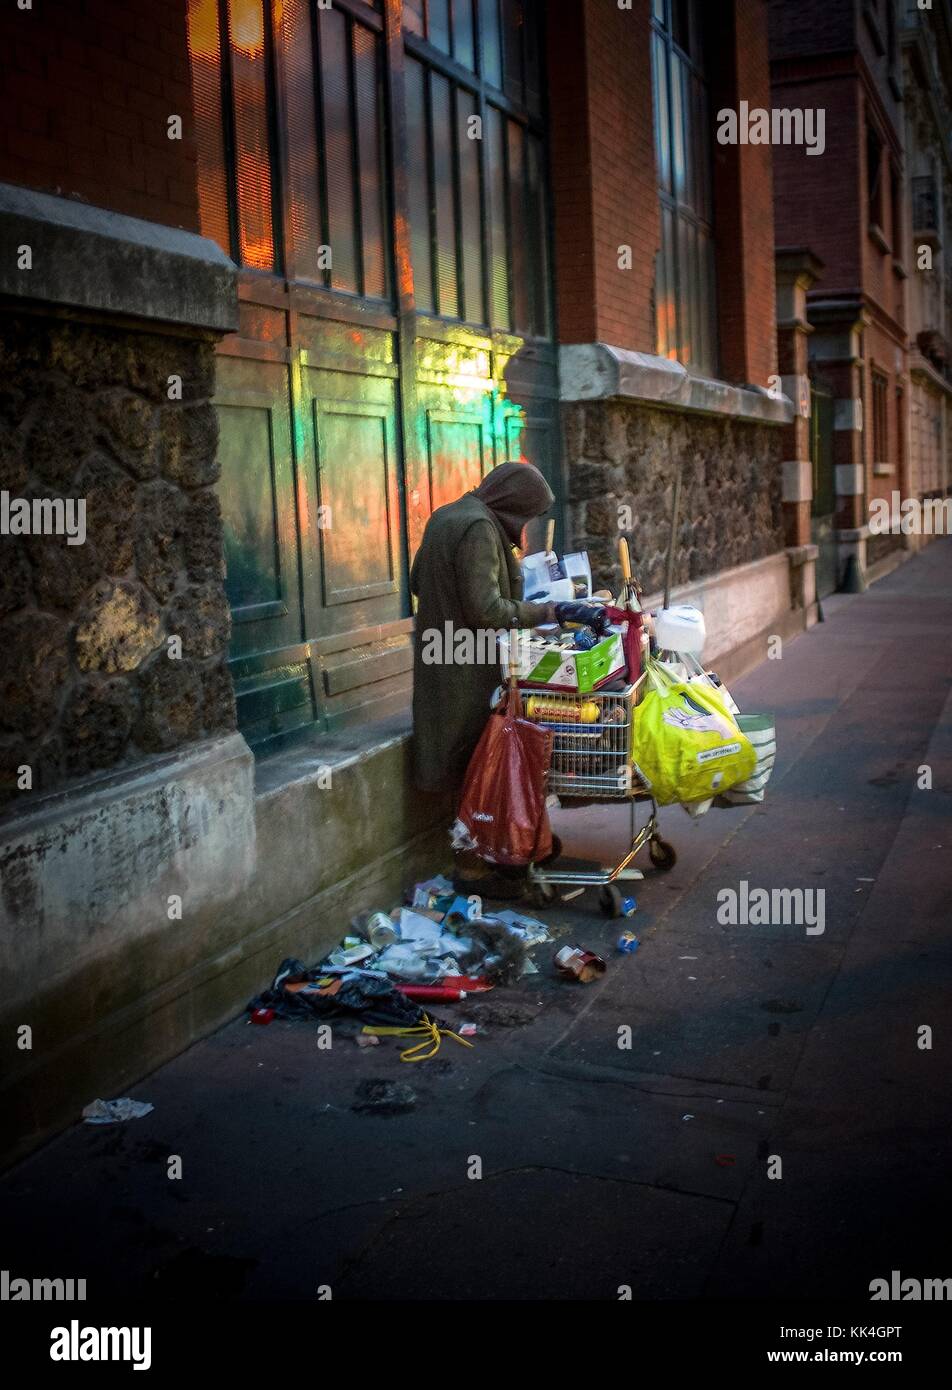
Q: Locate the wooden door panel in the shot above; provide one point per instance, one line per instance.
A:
(357, 500)
(359, 578)
(457, 456)
(274, 685)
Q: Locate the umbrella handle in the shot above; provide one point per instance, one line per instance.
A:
(624, 559)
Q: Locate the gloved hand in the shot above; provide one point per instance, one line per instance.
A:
(587, 614)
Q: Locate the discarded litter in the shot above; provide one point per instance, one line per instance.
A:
(575, 893)
(438, 950)
(351, 955)
(377, 929)
(297, 992)
(577, 963)
(628, 943)
(114, 1112)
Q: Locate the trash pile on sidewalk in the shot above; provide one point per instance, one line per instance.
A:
(439, 949)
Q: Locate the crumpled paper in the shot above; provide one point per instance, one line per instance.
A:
(113, 1112)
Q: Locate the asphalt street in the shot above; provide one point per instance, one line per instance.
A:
(776, 1126)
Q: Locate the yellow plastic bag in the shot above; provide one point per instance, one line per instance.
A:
(685, 742)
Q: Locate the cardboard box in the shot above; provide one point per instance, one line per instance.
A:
(553, 667)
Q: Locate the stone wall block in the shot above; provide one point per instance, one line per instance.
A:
(33, 671)
(110, 506)
(587, 479)
(189, 443)
(126, 426)
(16, 576)
(601, 517)
(204, 549)
(13, 469)
(87, 357)
(200, 615)
(62, 574)
(152, 360)
(171, 703)
(119, 628)
(730, 507)
(159, 545)
(60, 435)
(96, 725)
(218, 704)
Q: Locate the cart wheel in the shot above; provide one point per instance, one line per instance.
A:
(661, 854)
(543, 893)
(609, 900)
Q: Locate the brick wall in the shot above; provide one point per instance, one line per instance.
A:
(743, 201)
(88, 88)
(818, 199)
(605, 181)
(603, 171)
(810, 27)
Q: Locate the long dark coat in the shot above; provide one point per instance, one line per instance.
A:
(465, 573)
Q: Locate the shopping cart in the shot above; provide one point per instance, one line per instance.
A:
(592, 761)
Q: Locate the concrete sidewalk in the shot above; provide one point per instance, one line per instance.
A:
(604, 1166)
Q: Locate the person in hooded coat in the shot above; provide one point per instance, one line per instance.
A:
(465, 574)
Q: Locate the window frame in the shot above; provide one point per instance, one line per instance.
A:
(692, 290)
(488, 96)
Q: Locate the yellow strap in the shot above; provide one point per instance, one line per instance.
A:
(432, 1038)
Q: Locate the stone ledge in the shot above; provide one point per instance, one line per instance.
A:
(89, 258)
(597, 371)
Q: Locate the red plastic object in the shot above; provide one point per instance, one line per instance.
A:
(432, 994)
(261, 1016)
(631, 641)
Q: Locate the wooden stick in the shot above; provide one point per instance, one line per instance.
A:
(550, 535)
(672, 545)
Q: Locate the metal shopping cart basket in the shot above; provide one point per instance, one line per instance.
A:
(592, 761)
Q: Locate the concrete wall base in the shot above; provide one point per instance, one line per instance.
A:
(109, 985)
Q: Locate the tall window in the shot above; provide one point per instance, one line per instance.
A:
(684, 279)
(474, 138)
(291, 106)
(328, 198)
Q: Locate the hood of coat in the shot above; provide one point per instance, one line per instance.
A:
(515, 493)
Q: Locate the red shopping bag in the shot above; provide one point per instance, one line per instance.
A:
(503, 803)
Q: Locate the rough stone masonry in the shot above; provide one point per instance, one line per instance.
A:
(90, 679)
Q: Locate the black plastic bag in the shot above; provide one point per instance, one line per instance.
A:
(366, 994)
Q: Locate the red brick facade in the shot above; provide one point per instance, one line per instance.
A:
(743, 199)
(847, 207)
(603, 171)
(88, 89)
(605, 183)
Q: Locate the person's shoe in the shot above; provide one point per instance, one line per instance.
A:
(473, 875)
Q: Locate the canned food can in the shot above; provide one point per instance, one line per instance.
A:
(381, 931)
